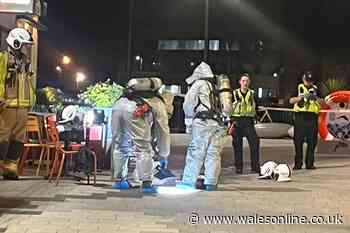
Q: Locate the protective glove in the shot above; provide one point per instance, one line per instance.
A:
(225, 119)
(3, 105)
(188, 123)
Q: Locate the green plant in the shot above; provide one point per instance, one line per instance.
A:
(331, 85)
(102, 94)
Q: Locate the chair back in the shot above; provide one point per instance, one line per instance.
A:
(53, 132)
(33, 130)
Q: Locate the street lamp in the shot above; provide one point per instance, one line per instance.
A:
(140, 60)
(59, 69)
(80, 77)
(62, 65)
(66, 60)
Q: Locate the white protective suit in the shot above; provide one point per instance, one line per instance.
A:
(133, 136)
(207, 136)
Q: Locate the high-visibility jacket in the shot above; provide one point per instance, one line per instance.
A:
(17, 86)
(243, 106)
(308, 105)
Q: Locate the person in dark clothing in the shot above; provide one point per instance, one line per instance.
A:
(244, 113)
(306, 109)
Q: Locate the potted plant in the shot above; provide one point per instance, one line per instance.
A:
(332, 85)
(102, 94)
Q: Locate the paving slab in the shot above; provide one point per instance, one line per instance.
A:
(32, 205)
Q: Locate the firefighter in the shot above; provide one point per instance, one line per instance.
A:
(306, 109)
(243, 115)
(17, 96)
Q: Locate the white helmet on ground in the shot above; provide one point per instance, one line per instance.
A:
(282, 173)
(18, 37)
(267, 169)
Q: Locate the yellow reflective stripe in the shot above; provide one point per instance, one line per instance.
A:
(247, 97)
(244, 107)
(3, 73)
(234, 95)
(313, 106)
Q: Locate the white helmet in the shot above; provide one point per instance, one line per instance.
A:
(267, 169)
(17, 37)
(282, 173)
(69, 113)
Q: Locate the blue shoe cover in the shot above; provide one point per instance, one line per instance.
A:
(185, 186)
(151, 189)
(147, 187)
(210, 187)
(122, 185)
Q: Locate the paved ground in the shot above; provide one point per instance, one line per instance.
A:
(33, 205)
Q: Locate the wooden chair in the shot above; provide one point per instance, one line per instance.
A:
(61, 154)
(50, 145)
(33, 140)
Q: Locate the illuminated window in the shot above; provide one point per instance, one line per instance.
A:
(187, 45)
(266, 92)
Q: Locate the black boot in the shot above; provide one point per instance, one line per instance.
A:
(15, 150)
(4, 145)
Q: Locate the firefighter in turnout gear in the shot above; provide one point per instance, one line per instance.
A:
(306, 109)
(243, 115)
(17, 96)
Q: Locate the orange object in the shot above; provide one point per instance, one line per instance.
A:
(33, 128)
(61, 154)
(231, 128)
(332, 125)
(141, 110)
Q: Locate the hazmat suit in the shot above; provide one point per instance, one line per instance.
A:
(207, 134)
(138, 118)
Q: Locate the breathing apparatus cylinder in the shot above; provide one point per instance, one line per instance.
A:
(225, 94)
(145, 84)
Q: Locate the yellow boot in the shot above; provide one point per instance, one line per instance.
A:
(10, 170)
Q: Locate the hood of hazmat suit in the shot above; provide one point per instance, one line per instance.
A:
(198, 97)
(203, 70)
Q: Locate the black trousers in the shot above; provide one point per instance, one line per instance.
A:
(245, 128)
(305, 130)
(11, 151)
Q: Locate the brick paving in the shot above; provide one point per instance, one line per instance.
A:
(32, 205)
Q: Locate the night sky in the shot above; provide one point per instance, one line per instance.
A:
(94, 33)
